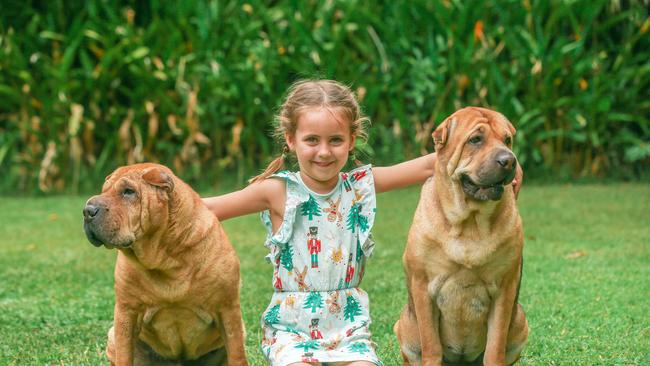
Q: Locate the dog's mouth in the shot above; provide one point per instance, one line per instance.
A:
(487, 192)
(92, 237)
(95, 240)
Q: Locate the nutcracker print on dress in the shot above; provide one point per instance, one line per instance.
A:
(349, 272)
(309, 357)
(277, 283)
(313, 330)
(346, 183)
(313, 245)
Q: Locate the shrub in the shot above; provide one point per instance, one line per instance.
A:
(87, 86)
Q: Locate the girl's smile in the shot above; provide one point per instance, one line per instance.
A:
(322, 143)
(323, 164)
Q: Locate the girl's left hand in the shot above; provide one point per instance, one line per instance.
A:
(516, 183)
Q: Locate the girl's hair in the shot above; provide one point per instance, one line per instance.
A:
(306, 94)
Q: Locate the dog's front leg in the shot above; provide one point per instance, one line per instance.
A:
(233, 329)
(499, 319)
(427, 315)
(125, 328)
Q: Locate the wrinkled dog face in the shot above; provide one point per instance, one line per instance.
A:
(130, 201)
(474, 145)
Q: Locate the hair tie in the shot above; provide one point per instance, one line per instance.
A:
(285, 151)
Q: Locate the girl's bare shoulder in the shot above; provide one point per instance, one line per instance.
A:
(274, 190)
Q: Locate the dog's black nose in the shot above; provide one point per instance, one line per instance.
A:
(506, 160)
(90, 211)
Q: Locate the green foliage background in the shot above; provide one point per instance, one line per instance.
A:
(86, 86)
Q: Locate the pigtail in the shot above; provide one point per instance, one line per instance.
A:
(273, 167)
(353, 158)
(360, 128)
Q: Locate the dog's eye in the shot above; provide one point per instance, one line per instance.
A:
(508, 140)
(128, 192)
(475, 140)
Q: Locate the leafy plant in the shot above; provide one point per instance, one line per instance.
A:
(87, 86)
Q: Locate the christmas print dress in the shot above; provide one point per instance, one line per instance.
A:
(318, 313)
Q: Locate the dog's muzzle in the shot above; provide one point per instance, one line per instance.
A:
(92, 213)
(492, 177)
(94, 226)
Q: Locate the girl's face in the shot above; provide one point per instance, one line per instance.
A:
(322, 143)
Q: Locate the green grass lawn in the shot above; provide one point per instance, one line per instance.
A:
(586, 286)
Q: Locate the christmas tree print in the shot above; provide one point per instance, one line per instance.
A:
(359, 347)
(273, 316)
(359, 251)
(356, 218)
(308, 344)
(286, 257)
(314, 301)
(310, 208)
(352, 308)
(291, 330)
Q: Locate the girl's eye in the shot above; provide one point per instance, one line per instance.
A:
(336, 141)
(508, 140)
(311, 140)
(475, 140)
(128, 192)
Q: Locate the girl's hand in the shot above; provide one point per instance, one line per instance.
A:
(519, 177)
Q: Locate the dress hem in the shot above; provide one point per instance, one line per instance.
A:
(290, 360)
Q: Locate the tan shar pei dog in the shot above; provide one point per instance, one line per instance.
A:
(463, 259)
(176, 276)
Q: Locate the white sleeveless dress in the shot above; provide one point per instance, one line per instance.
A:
(318, 313)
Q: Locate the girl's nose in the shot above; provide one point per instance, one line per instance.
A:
(324, 150)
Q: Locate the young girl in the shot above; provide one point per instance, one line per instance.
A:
(319, 221)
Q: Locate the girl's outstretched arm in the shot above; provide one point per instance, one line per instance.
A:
(256, 197)
(405, 174)
(417, 171)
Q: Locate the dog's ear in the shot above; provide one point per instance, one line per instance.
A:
(511, 128)
(501, 120)
(159, 178)
(442, 133)
(106, 181)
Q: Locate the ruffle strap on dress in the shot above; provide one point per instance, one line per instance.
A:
(360, 182)
(295, 196)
